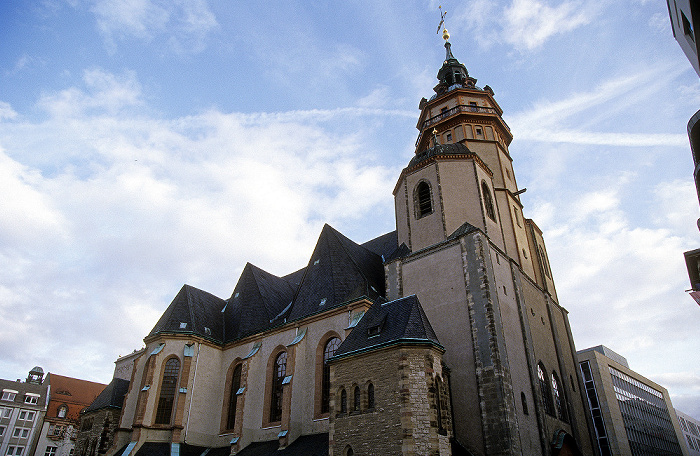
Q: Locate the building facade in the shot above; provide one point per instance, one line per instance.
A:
(22, 409)
(632, 415)
(67, 397)
(691, 432)
(442, 337)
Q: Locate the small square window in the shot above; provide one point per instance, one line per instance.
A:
(8, 395)
(448, 136)
(373, 330)
(50, 451)
(479, 132)
(183, 325)
(31, 399)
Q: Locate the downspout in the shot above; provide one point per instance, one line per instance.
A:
(194, 379)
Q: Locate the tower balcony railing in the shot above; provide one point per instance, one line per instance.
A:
(452, 111)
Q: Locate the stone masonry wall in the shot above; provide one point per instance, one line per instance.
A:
(405, 417)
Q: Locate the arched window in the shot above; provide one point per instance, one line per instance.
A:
(357, 398)
(343, 401)
(370, 396)
(280, 371)
(62, 411)
(168, 387)
(348, 451)
(423, 199)
(557, 397)
(328, 351)
(544, 389)
(488, 201)
(233, 396)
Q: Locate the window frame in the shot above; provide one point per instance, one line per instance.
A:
(423, 199)
(166, 404)
(330, 347)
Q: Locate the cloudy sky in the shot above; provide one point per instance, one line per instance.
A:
(146, 144)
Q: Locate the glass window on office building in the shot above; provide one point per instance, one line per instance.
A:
(645, 416)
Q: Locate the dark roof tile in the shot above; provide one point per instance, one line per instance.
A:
(385, 323)
(339, 270)
(112, 396)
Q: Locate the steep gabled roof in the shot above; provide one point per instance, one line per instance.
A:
(339, 270)
(387, 323)
(193, 311)
(383, 245)
(256, 300)
(72, 392)
(112, 396)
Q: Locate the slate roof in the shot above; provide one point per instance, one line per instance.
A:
(198, 309)
(112, 396)
(401, 320)
(440, 149)
(256, 300)
(339, 270)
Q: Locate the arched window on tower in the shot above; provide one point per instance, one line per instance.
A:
(343, 401)
(544, 390)
(280, 371)
(423, 199)
(168, 387)
(233, 396)
(488, 201)
(328, 351)
(357, 399)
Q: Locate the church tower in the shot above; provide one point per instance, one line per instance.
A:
(481, 272)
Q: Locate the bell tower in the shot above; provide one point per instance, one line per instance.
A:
(462, 171)
(481, 273)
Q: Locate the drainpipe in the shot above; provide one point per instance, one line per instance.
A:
(189, 409)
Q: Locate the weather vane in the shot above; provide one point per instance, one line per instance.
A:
(445, 34)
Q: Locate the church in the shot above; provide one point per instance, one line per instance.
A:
(443, 337)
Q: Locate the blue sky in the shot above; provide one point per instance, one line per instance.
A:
(145, 144)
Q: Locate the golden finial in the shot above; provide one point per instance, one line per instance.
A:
(445, 34)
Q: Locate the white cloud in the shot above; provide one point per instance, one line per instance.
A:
(127, 208)
(6, 111)
(184, 23)
(523, 24)
(529, 23)
(104, 92)
(575, 118)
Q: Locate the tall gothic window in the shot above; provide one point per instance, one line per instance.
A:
(544, 389)
(233, 396)
(424, 204)
(357, 398)
(557, 398)
(329, 350)
(168, 387)
(280, 370)
(488, 201)
(438, 405)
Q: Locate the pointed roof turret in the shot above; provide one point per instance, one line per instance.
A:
(452, 74)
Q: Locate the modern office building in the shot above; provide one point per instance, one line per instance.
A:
(691, 432)
(632, 416)
(22, 409)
